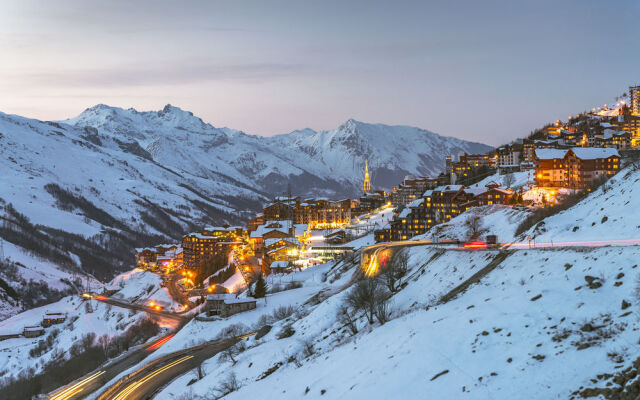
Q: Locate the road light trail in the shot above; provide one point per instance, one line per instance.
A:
(76, 388)
(160, 342)
(132, 387)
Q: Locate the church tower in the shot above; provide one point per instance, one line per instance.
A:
(366, 187)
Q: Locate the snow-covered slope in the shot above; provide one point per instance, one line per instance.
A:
(541, 323)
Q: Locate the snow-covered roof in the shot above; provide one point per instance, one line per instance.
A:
(282, 226)
(416, 203)
(592, 153)
(36, 328)
(222, 228)
(405, 213)
(427, 193)
(583, 153)
(275, 250)
(550, 154)
(279, 264)
(270, 242)
(300, 229)
(448, 188)
(609, 133)
(229, 298)
(200, 235)
(475, 190)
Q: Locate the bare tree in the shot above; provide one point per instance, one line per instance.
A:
(382, 311)
(346, 319)
(473, 223)
(365, 296)
(395, 270)
(307, 348)
(231, 352)
(228, 385)
(509, 180)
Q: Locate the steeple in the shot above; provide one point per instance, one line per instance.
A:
(366, 187)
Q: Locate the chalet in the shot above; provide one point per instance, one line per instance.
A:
(225, 305)
(281, 267)
(337, 237)
(575, 168)
(32, 331)
(329, 252)
(146, 257)
(493, 196)
(53, 318)
(253, 223)
(270, 230)
(620, 140)
(281, 208)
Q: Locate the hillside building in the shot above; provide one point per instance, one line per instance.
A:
(575, 168)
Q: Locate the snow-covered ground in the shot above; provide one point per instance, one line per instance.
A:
(543, 324)
(103, 320)
(520, 179)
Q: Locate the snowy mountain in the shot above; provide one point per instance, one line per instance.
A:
(79, 195)
(325, 162)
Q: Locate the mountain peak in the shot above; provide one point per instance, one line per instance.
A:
(169, 109)
(351, 126)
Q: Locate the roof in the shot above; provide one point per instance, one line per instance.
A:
(609, 133)
(300, 229)
(550, 154)
(222, 228)
(282, 226)
(583, 153)
(33, 328)
(476, 190)
(270, 242)
(278, 249)
(592, 153)
(279, 264)
(228, 298)
(448, 188)
(200, 235)
(416, 202)
(405, 213)
(427, 193)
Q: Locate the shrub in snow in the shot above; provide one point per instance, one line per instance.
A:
(228, 385)
(395, 270)
(286, 331)
(368, 296)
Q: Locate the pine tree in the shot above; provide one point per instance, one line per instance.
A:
(260, 289)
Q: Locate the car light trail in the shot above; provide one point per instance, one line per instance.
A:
(131, 388)
(75, 388)
(475, 245)
(586, 243)
(247, 335)
(101, 298)
(160, 342)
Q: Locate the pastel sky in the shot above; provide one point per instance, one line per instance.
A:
(487, 71)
